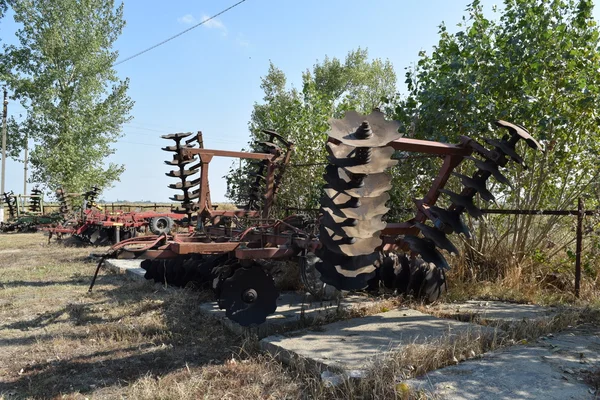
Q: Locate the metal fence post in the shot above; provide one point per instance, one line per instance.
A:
(580, 215)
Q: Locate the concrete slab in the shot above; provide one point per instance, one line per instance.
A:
(294, 311)
(352, 345)
(550, 369)
(130, 267)
(492, 311)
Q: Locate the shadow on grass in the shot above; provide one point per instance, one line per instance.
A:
(179, 337)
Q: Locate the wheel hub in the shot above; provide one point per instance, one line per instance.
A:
(249, 296)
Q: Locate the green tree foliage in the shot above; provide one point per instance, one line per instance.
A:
(62, 73)
(332, 87)
(538, 65)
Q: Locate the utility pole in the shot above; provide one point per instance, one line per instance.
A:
(4, 116)
(25, 166)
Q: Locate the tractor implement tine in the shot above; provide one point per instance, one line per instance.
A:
(426, 249)
(449, 219)
(476, 184)
(519, 131)
(492, 168)
(504, 147)
(463, 201)
(438, 237)
(352, 227)
(348, 246)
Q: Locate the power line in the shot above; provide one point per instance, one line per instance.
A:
(179, 34)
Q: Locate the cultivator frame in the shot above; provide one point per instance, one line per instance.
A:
(26, 213)
(97, 226)
(355, 247)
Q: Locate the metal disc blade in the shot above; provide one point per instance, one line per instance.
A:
(176, 136)
(383, 131)
(182, 197)
(463, 201)
(355, 263)
(178, 174)
(450, 219)
(520, 131)
(376, 166)
(339, 205)
(426, 249)
(347, 157)
(331, 277)
(371, 185)
(476, 184)
(438, 237)
(504, 147)
(175, 148)
(184, 185)
(348, 246)
(359, 228)
(248, 296)
(179, 162)
(492, 168)
(346, 273)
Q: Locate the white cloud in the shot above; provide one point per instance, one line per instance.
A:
(187, 19)
(214, 24)
(242, 41)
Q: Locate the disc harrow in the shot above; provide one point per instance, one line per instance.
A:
(357, 249)
(351, 246)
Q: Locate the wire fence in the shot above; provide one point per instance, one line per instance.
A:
(581, 213)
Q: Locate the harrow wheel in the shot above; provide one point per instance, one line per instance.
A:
(248, 295)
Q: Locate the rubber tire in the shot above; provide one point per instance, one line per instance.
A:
(160, 225)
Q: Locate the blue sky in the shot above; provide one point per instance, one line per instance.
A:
(209, 78)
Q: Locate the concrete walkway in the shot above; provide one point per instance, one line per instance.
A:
(352, 345)
(492, 311)
(130, 267)
(550, 369)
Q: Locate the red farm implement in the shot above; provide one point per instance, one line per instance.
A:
(99, 227)
(351, 246)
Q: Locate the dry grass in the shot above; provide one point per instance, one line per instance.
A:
(136, 340)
